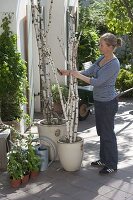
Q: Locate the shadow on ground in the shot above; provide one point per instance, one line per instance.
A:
(85, 184)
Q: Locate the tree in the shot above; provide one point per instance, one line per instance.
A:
(92, 24)
(70, 107)
(119, 18)
(87, 49)
(13, 74)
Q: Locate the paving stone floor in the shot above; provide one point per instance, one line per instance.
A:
(85, 184)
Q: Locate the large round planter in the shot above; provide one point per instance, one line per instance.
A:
(71, 154)
(54, 133)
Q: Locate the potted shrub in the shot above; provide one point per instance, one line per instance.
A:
(34, 162)
(13, 79)
(25, 169)
(33, 159)
(18, 165)
(67, 136)
(22, 160)
(14, 166)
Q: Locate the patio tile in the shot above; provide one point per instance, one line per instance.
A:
(86, 184)
(130, 198)
(100, 197)
(20, 195)
(3, 197)
(52, 194)
(87, 195)
(117, 194)
(56, 196)
(127, 187)
(125, 175)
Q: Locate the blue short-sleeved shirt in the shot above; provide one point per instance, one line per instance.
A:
(103, 79)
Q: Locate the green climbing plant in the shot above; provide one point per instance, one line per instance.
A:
(13, 74)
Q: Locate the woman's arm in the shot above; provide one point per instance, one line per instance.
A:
(74, 73)
(80, 76)
(87, 72)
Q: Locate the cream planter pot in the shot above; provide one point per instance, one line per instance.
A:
(71, 154)
(51, 133)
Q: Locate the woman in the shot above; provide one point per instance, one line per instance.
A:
(102, 75)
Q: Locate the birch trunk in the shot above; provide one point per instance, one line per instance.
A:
(70, 108)
(47, 99)
(72, 103)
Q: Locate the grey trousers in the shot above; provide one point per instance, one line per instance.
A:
(105, 114)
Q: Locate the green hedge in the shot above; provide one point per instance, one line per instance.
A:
(125, 81)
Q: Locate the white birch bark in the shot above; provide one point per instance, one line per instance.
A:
(70, 108)
(38, 22)
(72, 103)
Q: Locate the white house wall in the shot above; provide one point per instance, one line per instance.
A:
(20, 25)
(18, 7)
(57, 29)
(8, 6)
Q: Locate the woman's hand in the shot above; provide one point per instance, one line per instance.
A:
(63, 72)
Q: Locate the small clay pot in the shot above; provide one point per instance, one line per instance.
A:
(34, 174)
(25, 179)
(15, 183)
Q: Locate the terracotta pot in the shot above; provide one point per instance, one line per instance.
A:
(25, 179)
(34, 174)
(15, 183)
